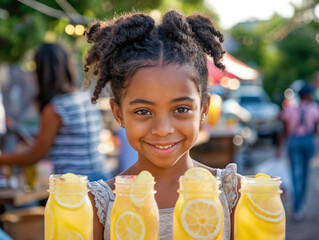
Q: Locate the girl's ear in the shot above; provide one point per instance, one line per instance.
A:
(116, 112)
(205, 107)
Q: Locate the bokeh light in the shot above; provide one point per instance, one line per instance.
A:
(79, 30)
(234, 84)
(69, 29)
(238, 140)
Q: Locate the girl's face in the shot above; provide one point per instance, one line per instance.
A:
(161, 112)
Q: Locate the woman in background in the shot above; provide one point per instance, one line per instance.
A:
(299, 128)
(70, 125)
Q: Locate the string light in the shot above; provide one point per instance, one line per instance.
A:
(69, 29)
(79, 30)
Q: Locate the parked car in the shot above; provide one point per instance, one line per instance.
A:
(260, 113)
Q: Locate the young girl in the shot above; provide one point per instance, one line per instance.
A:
(158, 79)
(69, 130)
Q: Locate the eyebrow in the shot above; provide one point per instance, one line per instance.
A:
(185, 98)
(143, 101)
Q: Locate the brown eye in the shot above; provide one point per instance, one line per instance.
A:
(182, 110)
(143, 112)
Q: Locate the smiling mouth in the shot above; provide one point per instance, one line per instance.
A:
(164, 147)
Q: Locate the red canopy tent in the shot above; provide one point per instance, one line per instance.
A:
(234, 69)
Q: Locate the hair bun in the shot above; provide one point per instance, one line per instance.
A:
(176, 26)
(132, 28)
(126, 29)
(208, 37)
(97, 31)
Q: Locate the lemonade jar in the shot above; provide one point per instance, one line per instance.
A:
(134, 213)
(68, 213)
(260, 213)
(198, 212)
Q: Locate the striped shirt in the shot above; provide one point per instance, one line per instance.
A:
(75, 148)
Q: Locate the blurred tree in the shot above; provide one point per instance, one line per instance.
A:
(283, 49)
(20, 29)
(26, 23)
(254, 39)
(298, 59)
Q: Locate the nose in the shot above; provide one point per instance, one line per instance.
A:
(162, 126)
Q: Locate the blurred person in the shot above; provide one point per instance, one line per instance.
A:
(316, 85)
(299, 127)
(127, 154)
(70, 125)
(2, 117)
(2, 132)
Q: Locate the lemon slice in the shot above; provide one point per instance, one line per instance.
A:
(140, 188)
(68, 234)
(264, 203)
(270, 206)
(199, 173)
(69, 200)
(201, 218)
(262, 215)
(199, 180)
(69, 178)
(262, 175)
(69, 191)
(129, 226)
(49, 224)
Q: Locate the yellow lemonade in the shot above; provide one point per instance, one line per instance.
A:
(134, 214)
(260, 213)
(68, 212)
(198, 213)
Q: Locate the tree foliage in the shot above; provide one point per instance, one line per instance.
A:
(298, 56)
(21, 31)
(23, 27)
(282, 53)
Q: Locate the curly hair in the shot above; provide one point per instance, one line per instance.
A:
(130, 42)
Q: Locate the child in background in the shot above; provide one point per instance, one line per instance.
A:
(70, 127)
(158, 78)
